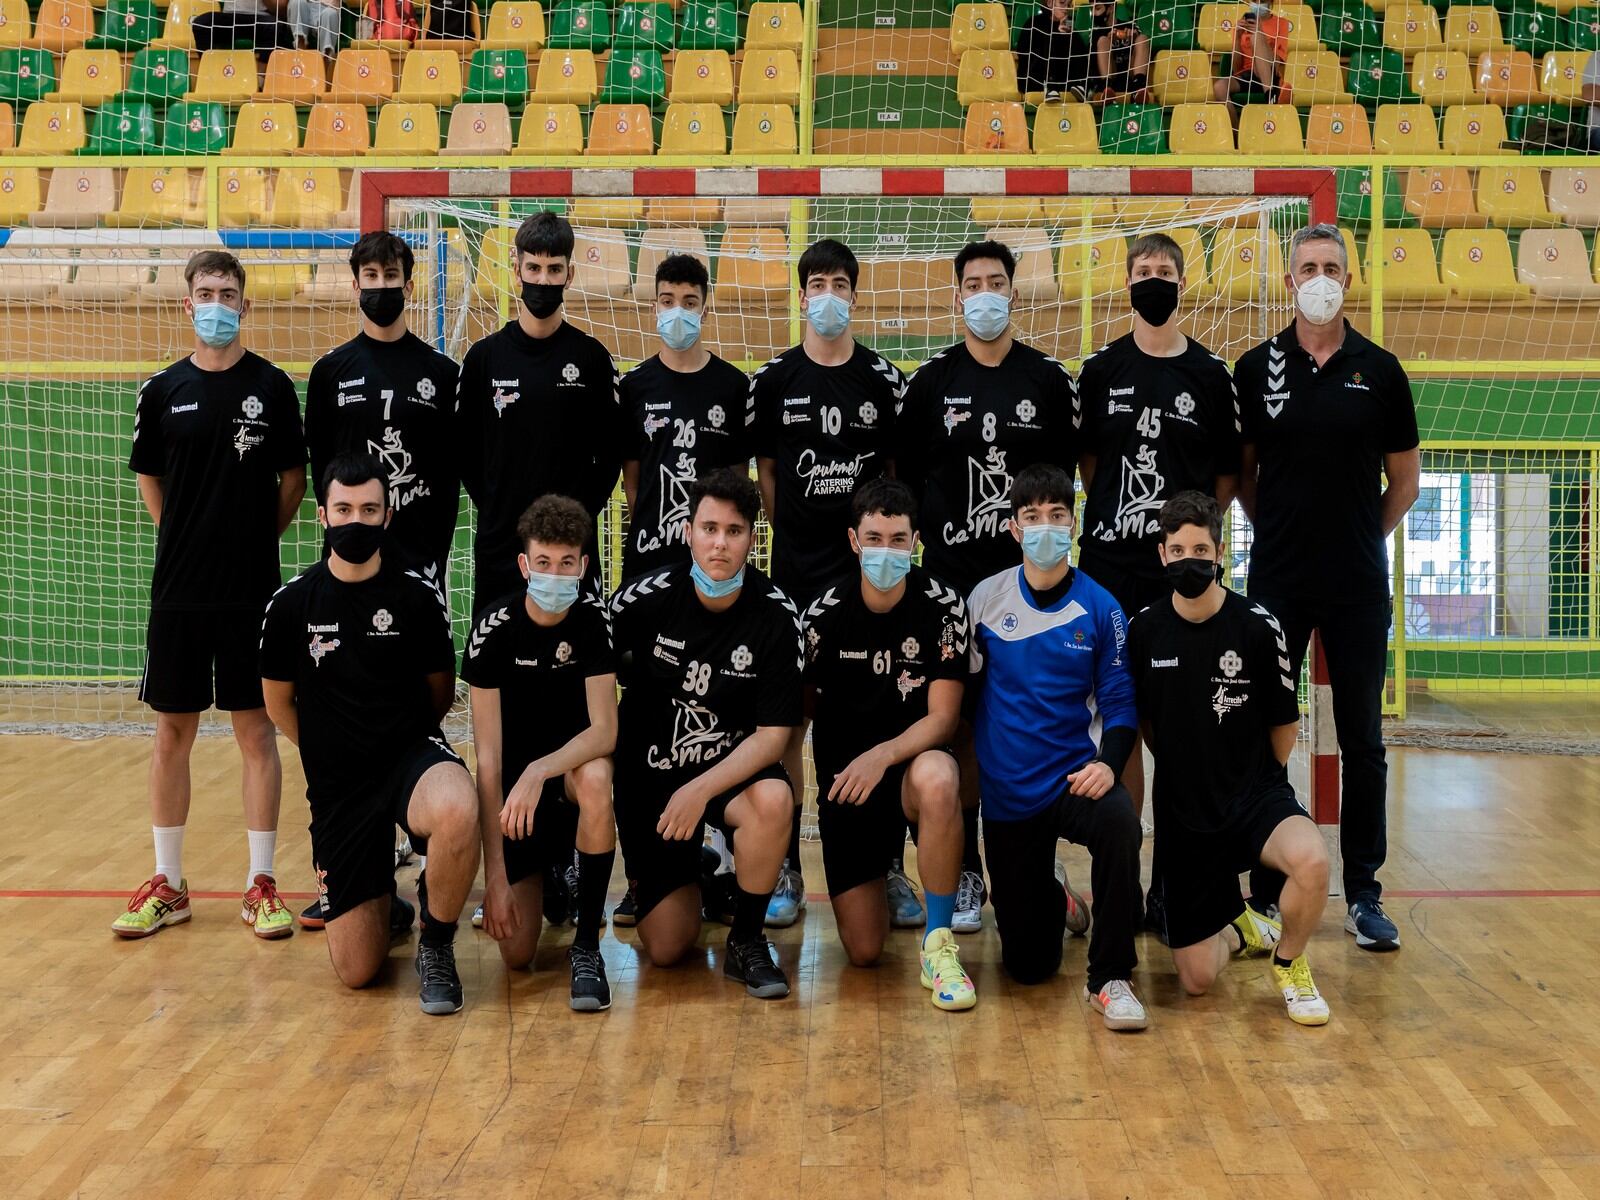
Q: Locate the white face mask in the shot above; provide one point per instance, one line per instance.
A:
(1319, 299)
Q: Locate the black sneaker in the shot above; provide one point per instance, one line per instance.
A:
(557, 905)
(626, 913)
(590, 991)
(756, 966)
(401, 915)
(1155, 913)
(311, 915)
(440, 992)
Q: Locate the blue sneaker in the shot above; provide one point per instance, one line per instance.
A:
(788, 899)
(905, 910)
(1372, 926)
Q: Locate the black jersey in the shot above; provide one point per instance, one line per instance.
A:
(218, 440)
(828, 429)
(394, 400)
(534, 416)
(696, 683)
(1212, 692)
(1157, 427)
(678, 426)
(963, 432)
(359, 655)
(872, 670)
(541, 673)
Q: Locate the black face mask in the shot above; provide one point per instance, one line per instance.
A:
(1190, 577)
(542, 299)
(383, 305)
(1154, 299)
(354, 541)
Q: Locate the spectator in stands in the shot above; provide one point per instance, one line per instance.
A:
(245, 25)
(1051, 57)
(1121, 53)
(1260, 48)
(452, 20)
(388, 21)
(1591, 93)
(317, 23)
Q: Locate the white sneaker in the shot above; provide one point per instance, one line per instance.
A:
(1118, 1005)
(1077, 910)
(970, 895)
(1300, 995)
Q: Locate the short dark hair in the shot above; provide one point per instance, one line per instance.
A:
(556, 521)
(995, 250)
(731, 484)
(212, 262)
(883, 497)
(684, 268)
(1042, 483)
(383, 249)
(352, 469)
(545, 233)
(1158, 245)
(1191, 508)
(826, 257)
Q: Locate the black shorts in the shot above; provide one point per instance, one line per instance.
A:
(1131, 591)
(194, 655)
(1200, 871)
(859, 841)
(555, 829)
(352, 835)
(659, 867)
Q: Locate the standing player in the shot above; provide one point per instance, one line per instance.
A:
(824, 416)
(220, 456)
(710, 657)
(1328, 418)
(1055, 725)
(973, 415)
(359, 669)
(886, 657)
(544, 722)
(1222, 794)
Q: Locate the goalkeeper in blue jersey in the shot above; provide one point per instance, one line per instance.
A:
(1055, 725)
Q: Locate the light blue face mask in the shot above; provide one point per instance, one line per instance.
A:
(553, 593)
(987, 314)
(885, 567)
(679, 327)
(1046, 546)
(714, 589)
(829, 314)
(216, 324)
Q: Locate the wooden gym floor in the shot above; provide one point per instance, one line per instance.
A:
(203, 1063)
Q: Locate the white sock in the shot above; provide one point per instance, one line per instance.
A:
(263, 842)
(169, 853)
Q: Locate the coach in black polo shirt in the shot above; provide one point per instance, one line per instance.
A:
(1328, 416)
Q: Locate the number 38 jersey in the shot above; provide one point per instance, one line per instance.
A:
(696, 683)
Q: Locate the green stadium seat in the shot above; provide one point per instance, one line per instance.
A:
(26, 74)
(127, 25)
(1535, 29)
(160, 75)
(1354, 186)
(123, 127)
(708, 25)
(634, 77)
(497, 76)
(1348, 27)
(1169, 26)
(1133, 129)
(195, 127)
(645, 24)
(1517, 119)
(580, 25)
(1583, 29)
(1378, 77)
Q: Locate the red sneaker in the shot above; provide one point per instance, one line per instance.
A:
(264, 912)
(155, 904)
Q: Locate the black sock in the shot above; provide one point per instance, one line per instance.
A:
(594, 876)
(971, 859)
(436, 932)
(794, 841)
(1284, 963)
(749, 915)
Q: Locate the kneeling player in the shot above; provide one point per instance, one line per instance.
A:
(1219, 710)
(886, 654)
(710, 658)
(358, 670)
(544, 721)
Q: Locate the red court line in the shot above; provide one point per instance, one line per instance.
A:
(822, 897)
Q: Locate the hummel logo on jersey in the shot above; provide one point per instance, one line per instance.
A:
(716, 416)
(381, 620)
(1163, 662)
(1230, 664)
(178, 408)
(570, 372)
(1127, 391)
(344, 383)
(252, 407)
(525, 662)
(488, 625)
(320, 648)
(742, 658)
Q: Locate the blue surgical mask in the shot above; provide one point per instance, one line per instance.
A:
(715, 589)
(217, 324)
(1046, 546)
(553, 593)
(987, 314)
(829, 314)
(679, 327)
(883, 567)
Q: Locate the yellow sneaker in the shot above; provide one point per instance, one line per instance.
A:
(942, 974)
(155, 904)
(1258, 934)
(264, 912)
(1305, 1003)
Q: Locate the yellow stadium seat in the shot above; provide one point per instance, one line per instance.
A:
(1476, 266)
(1035, 279)
(1315, 77)
(20, 195)
(1405, 129)
(1441, 197)
(1358, 281)
(515, 25)
(308, 197)
(364, 76)
(62, 24)
(8, 128)
(1575, 195)
(1271, 129)
(1215, 28)
(16, 22)
(896, 285)
(551, 129)
(684, 210)
(566, 77)
(755, 210)
(1106, 261)
(115, 276)
(269, 279)
(1067, 212)
(986, 75)
(177, 32)
(1410, 271)
(764, 129)
(1507, 78)
(90, 77)
(492, 276)
(407, 129)
(694, 129)
(225, 75)
(701, 77)
(1475, 129)
(1065, 128)
(264, 128)
(775, 25)
(1409, 28)
(1473, 28)
(1338, 129)
(657, 244)
(334, 129)
(606, 211)
(1139, 214)
(1442, 78)
(1513, 197)
(769, 77)
(1006, 210)
(1554, 263)
(753, 267)
(78, 197)
(156, 196)
(52, 127)
(1561, 76)
(297, 75)
(979, 27)
(1302, 22)
(430, 77)
(1182, 77)
(241, 196)
(621, 129)
(1201, 129)
(995, 127)
(600, 262)
(28, 272)
(1237, 264)
(482, 129)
